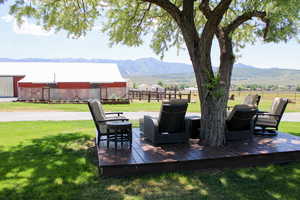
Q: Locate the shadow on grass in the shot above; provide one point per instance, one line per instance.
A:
(64, 167)
(273, 182)
(53, 167)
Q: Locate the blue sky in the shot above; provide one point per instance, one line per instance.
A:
(30, 41)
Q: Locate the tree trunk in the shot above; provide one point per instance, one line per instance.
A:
(213, 94)
(214, 102)
(213, 118)
(213, 88)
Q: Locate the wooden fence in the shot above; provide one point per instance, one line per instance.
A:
(157, 95)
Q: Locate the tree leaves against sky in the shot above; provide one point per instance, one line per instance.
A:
(128, 21)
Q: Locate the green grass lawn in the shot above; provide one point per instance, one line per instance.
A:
(138, 106)
(132, 107)
(55, 160)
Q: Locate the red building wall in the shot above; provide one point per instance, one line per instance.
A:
(72, 91)
(32, 85)
(15, 80)
(73, 85)
(110, 85)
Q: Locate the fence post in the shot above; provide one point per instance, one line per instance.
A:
(175, 92)
(49, 97)
(189, 96)
(140, 95)
(149, 97)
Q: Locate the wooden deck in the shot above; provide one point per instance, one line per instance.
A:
(146, 158)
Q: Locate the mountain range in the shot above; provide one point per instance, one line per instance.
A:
(150, 70)
(143, 66)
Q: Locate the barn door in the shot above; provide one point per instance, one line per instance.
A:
(46, 94)
(6, 87)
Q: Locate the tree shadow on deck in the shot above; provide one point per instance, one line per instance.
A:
(64, 167)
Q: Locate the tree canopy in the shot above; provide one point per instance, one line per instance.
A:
(127, 21)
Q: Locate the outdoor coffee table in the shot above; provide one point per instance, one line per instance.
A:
(122, 132)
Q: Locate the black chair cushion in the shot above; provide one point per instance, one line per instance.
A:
(171, 118)
(240, 118)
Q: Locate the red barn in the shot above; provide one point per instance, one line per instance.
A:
(62, 81)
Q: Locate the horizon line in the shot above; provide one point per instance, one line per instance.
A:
(87, 59)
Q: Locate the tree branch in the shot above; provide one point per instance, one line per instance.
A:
(172, 9)
(246, 17)
(220, 10)
(188, 18)
(144, 15)
(204, 7)
(188, 9)
(135, 11)
(226, 56)
(214, 17)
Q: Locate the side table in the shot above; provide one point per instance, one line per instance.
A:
(192, 125)
(122, 132)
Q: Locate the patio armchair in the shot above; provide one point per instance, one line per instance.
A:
(170, 101)
(267, 122)
(169, 126)
(100, 118)
(250, 99)
(240, 122)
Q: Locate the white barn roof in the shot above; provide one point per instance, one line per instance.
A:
(40, 72)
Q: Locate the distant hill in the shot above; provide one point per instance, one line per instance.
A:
(150, 70)
(276, 76)
(143, 66)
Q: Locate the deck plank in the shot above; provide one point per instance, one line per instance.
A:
(145, 157)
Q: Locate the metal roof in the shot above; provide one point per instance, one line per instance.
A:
(42, 72)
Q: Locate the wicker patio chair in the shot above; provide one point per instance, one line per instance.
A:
(240, 122)
(169, 126)
(267, 122)
(100, 118)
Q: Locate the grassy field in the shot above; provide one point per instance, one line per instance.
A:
(138, 106)
(55, 160)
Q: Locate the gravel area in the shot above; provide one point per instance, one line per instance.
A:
(5, 99)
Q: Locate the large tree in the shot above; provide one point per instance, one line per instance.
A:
(193, 23)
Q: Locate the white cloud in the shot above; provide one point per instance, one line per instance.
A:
(7, 18)
(26, 28)
(30, 29)
(97, 28)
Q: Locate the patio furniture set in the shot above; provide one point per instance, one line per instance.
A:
(173, 126)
